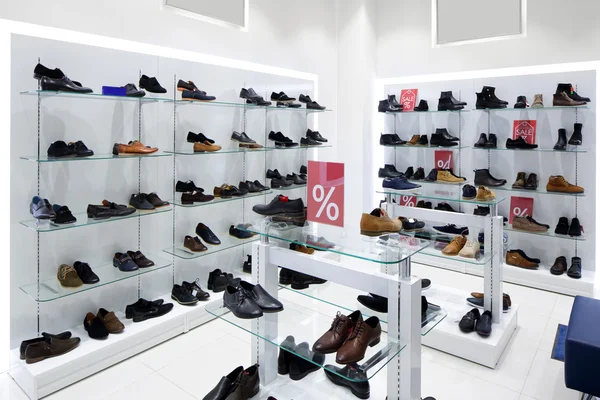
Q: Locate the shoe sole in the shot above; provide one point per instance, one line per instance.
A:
(484, 334)
(346, 383)
(204, 101)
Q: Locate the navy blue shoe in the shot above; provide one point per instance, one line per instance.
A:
(196, 95)
(124, 262)
(432, 177)
(469, 192)
(452, 229)
(399, 183)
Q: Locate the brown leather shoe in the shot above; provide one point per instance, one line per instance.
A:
(563, 100)
(528, 224)
(301, 248)
(134, 147)
(111, 321)
(334, 338)
(485, 194)
(414, 140)
(194, 244)
(455, 246)
(51, 348)
(560, 266)
(520, 181)
(557, 183)
(365, 333)
(205, 146)
(195, 197)
(514, 257)
(67, 276)
(505, 297)
(377, 223)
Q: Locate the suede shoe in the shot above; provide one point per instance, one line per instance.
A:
(562, 228)
(151, 85)
(557, 183)
(95, 326)
(124, 262)
(67, 276)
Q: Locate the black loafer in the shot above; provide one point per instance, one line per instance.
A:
(183, 296)
(206, 234)
(484, 324)
(196, 290)
(95, 326)
(41, 208)
(351, 377)
(264, 300)
(198, 138)
(467, 323)
(60, 149)
(281, 97)
(140, 259)
(80, 149)
(85, 273)
(151, 85)
(142, 310)
(124, 262)
(242, 306)
(63, 215)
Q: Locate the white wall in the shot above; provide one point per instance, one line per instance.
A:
(558, 31)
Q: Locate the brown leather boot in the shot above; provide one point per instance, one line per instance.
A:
(520, 181)
(485, 194)
(557, 183)
(563, 100)
(377, 223)
(414, 140)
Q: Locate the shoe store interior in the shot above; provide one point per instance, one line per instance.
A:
(179, 224)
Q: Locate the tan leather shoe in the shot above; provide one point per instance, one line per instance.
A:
(365, 334)
(563, 100)
(519, 259)
(557, 183)
(414, 140)
(455, 246)
(446, 176)
(111, 321)
(538, 101)
(205, 146)
(377, 223)
(250, 145)
(134, 147)
(194, 244)
(528, 224)
(470, 250)
(67, 276)
(340, 329)
(485, 194)
(520, 181)
(301, 248)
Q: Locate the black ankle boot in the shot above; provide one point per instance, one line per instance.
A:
(570, 91)
(392, 100)
(482, 141)
(576, 136)
(492, 93)
(385, 106)
(445, 134)
(561, 144)
(423, 106)
(447, 102)
(521, 102)
(492, 142)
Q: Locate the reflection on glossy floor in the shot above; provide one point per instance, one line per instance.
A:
(187, 367)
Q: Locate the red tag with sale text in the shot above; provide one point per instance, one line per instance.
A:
(444, 159)
(408, 201)
(520, 207)
(408, 99)
(326, 193)
(525, 129)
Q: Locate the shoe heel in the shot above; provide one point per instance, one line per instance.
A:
(299, 286)
(375, 342)
(115, 150)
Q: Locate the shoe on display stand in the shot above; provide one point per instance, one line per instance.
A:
(519, 183)
(378, 223)
(568, 89)
(484, 194)
(557, 183)
(183, 295)
(239, 302)
(394, 102)
(575, 228)
(538, 101)
(196, 290)
(560, 266)
(391, 139)
(531, 183)
(562, 99)
(574, 270)
(447, 102)
(483, 327)
(455, 246)
(55, 80)
(386, 107)
(519, 143)
(353, 378)
(492, 141)
(439, 140)
(423, 106)
(576, 137)
(218, 281)
(247, 384)
(365, 334)
(561, 144)
(252, 97)
(468, 321)
(341, 328)
(225, 385)
(390, 171)
(446, 135)
(521, 102)
(282, 97)
(151, 85)
(518, 258)
(484, 178)
(480, 144)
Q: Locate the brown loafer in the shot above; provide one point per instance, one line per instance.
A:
(205, 146)
(111, 321)
(194, 244)
(365, 334)
(134, 147)
(51, 348)
(334, 338)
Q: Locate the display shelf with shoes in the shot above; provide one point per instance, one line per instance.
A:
(540, 190)
(218, 200)
(427, 112)
(447, 197)
(51, 289)
(233, 150)
(300, 147)
(549, 233)
(532, 109)
(227, 242)
(95, 157)
(83, 220)
(428, 147)
(45, 94)
(247, 106)
(569, 149)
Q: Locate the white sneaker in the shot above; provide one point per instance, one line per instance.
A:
(470, 250)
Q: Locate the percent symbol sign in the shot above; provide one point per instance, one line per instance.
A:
(520, 213)
(318, 194)
(408, 201)
(444, 164)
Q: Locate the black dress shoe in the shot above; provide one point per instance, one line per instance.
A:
(445, 134)
(132, 91)
(562, 228)
(300, 367)
(439, 140)
(447, 102)
(247, 385)
(423, 106)
(297, 179)
(277, 183)
(183, 295)
(64, 216)
(353, 378)
(239, 302)
(142, 310)
(206, 234)
(560, 266)
(261, 186)
(284, 359)
(484, 178)
(531, 183)
(151, 85)
(238, 233)
(575, 269)
(225, 385)
(56, 80)
(140, 202)
(218, 280)
(155, 200)
(264, 300)
(481, 142)
(444, 207)
(483, 327)
(196, 290)
(378, 304)
(467, 323)
(198, 138)
(253, 98)
(422, 141)
(281, 97)
(281, 140)
(388, 172)
(281, 205)
(85, 273)
(274, 174)
(60, 149)
(485, 100)
(519, 143)
(307, 141)
(315, 135)
(391, 139)
(301, 281)
(419, 174)
(575, 228)
(80, 149)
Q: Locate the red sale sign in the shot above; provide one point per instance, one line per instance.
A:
(408, 201)
(408, 99)
(444, 159)
(520, 207)
(525, 129)
(326, 193)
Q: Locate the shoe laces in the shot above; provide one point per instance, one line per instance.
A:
(470, 243)
(358, 331)
(65, 271)
(336, 321)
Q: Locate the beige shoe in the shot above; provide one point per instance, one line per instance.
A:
(455, 246)
(485, 194)
(538, 101)
(528, 224)
(470, 250)
(205, 146)
(447, 176)
(378, 222)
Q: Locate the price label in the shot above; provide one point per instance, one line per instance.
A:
(408, 99)
(326, 193)
(520, 207)
(408, 201)
(444, 159)
(525, 129)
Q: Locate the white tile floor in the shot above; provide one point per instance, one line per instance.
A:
(187, 367)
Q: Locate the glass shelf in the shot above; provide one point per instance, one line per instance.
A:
(447, 198)
(570, 149)
(329, 294)
(227, 242)
(429, 147)
(46, 159)
(539, 191)
(426, 112)
(247, 106)
(533, 109)
(97, 96)
(51, 289)
(307, 325)
(237, 150)
(549, 233)
(43, 226)
(352, 245)
(218, 200)
(299, 147)
(439, 183)
(292, 187)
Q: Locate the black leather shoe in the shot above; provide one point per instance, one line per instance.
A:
(491, 91)
(576, 137)
(253, 98)
(419, 174)
(297, 179)
(108, 210)
(467, 323)
(281, 140)
(443, 207)
(482, 211)
(575, 269)
(247, 385)
(56, 80)
(492, 142)
(183, 296)
(218, 280)
(206, 234)
(432, 177)
(484, 100)
(284, 359)
(408, 174)
(483, 327)
(521, 102)
(391, 139)
(196, 290)
(446, 103)
(80, 149)
(239, 302)
(238, 233)
(60, 149)
(140, 202)
(315, 135)
(446, 135)
(394, 102)
(519, 143)
(282, 97)
(575, 228)
(353, 378)
(561, 144)
(386, 107)
(281, 205)
(300, 367)
(142, 310)
(560, 266)
(274, 174)
(45, 337)
(422, 141)
(439, 140)
(41, 208)
(531, 183)
(140, 259)
(301, 281)
(264, 300)
(260, 186)
(562, 228)
(481, 142)
(64, 216)
(307, 141)
(198, 138)
(85, 273)
(132, 91)
(375, 303)
(151, 85)
(225, 385)
(484, 178)
(387, 172)
(423, 106)
(277, 183)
